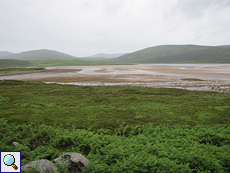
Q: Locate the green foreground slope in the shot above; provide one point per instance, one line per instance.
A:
(119, 129)
(178, 54)
(144, 149)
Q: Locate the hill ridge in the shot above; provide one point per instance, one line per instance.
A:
(178, 54)
(40, 54)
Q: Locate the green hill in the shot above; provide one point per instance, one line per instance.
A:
(13, 63)
(39, 55)
(178, 54)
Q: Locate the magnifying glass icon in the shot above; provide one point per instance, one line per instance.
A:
(9, 160)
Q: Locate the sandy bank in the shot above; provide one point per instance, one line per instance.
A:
(204, 76)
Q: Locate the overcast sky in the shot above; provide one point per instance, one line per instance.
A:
(87, 27)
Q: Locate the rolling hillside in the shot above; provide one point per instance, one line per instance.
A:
(13, 63)
(39, 55)
(178, 54)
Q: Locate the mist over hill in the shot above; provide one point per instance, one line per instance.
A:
(43, 54)
(178, 54)
(45, 58)
(5, 53)
(157, 54)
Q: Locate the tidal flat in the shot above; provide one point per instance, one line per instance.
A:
(206, 77)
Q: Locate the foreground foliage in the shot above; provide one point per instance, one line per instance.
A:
(142, 149)
(119, 129)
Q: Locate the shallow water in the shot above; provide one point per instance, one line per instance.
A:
(215, 76)
(142, 69)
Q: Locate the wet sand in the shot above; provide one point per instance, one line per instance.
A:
(205, 77)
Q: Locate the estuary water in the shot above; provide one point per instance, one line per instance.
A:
(185, 76)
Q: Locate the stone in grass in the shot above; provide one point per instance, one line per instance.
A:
(75, 160)
(16, 144)
(42, 166)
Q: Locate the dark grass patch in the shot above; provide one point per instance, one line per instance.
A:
(15, 70)
(101, 107)
(192, 79)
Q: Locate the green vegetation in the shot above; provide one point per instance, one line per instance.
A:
(15, 70)
(119, 129)
(192, 79)
(144, 149)
(107, 107)
(57, 62)
(4, 100)
(13, 63)
(54, 62)
(178, 54)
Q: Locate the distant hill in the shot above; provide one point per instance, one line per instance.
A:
(39, 55)
(95, 59)
(177, 54)
(14, 63)
(5, 53)
(104, 55)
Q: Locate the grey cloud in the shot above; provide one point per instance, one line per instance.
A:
(86, 27)
(196, 8)
(102, 5)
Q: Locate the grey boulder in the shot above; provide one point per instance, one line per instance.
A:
(43, 166)
(74, 160)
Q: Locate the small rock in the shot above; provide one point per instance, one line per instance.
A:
(16, 144)
(76, 160)
(44, 166)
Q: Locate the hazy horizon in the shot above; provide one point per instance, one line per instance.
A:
(85, 27)
(102, 52)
